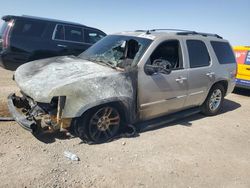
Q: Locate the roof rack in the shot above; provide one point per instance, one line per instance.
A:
(154, 30)
(199, 33)
(182, 32)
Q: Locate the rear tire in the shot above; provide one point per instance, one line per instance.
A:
(99, 125)
(214, 100)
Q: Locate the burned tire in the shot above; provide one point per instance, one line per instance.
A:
(214, 100)
(99, 125)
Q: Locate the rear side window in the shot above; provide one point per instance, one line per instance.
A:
(224, 52)
(29, 28)
(73, 33)
(3, 28)
(59, 32)
(92, 36)
(198, 54)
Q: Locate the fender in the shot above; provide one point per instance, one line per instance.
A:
(126, 103)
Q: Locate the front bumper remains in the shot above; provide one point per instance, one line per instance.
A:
(36, 117)
(26, 122)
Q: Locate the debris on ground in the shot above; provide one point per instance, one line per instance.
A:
(6, 119)
(71, 156)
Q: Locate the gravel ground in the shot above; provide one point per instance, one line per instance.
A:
(194, 152)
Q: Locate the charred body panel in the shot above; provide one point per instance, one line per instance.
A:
(78, 86)
(85, 84)
(57, 90)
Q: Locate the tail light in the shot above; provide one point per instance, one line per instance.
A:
(6, 34)
(234, 73)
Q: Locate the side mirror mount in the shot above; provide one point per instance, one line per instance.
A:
(150, 69)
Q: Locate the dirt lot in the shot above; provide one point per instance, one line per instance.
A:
(194, 152)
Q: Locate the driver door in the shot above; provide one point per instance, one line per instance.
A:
(160, 94)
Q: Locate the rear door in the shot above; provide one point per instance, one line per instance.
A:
(69, 39)
(200, 74)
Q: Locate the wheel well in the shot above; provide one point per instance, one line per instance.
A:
(117, 104)
(224, 83)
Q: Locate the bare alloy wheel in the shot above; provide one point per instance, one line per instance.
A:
(104, 124)
(215, 100)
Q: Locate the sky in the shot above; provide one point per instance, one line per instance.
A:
(228, 18)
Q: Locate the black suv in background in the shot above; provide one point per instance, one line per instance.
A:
(26, 38)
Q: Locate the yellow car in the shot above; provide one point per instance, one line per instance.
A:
(242, 54)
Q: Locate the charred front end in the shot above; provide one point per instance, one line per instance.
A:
(37, 117)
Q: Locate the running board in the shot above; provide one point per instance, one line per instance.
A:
(162, 121)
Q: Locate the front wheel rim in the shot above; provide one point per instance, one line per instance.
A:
(215, 100)
(104, 124)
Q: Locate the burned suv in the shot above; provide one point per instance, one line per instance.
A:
(122, 80)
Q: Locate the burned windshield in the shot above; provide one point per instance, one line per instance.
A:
(117, 51)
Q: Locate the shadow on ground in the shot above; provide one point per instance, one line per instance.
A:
(48, 138)
(243, 92)
(227, 107)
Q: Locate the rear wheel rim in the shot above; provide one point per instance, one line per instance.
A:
(104, 124)
(215, 100)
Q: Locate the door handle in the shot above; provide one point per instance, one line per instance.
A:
(61, 45)
(180, 79)
(210, 74)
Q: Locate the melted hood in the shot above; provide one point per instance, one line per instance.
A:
(43, 79)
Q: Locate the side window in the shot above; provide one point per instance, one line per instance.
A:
(224, 52)
(3, 28)
(198, 54)
(248, 58)
(92, 36)
(59, 32)
(169, 51)
(73, 33)
(29, 28)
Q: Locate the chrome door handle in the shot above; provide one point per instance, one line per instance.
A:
(180, 79)
(210, 74)
(62, 46)
(183, 78)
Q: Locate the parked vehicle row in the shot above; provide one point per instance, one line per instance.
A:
(243, 60)
(124, 79)
(26, 38)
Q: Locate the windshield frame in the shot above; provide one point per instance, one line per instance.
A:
(97, 48)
